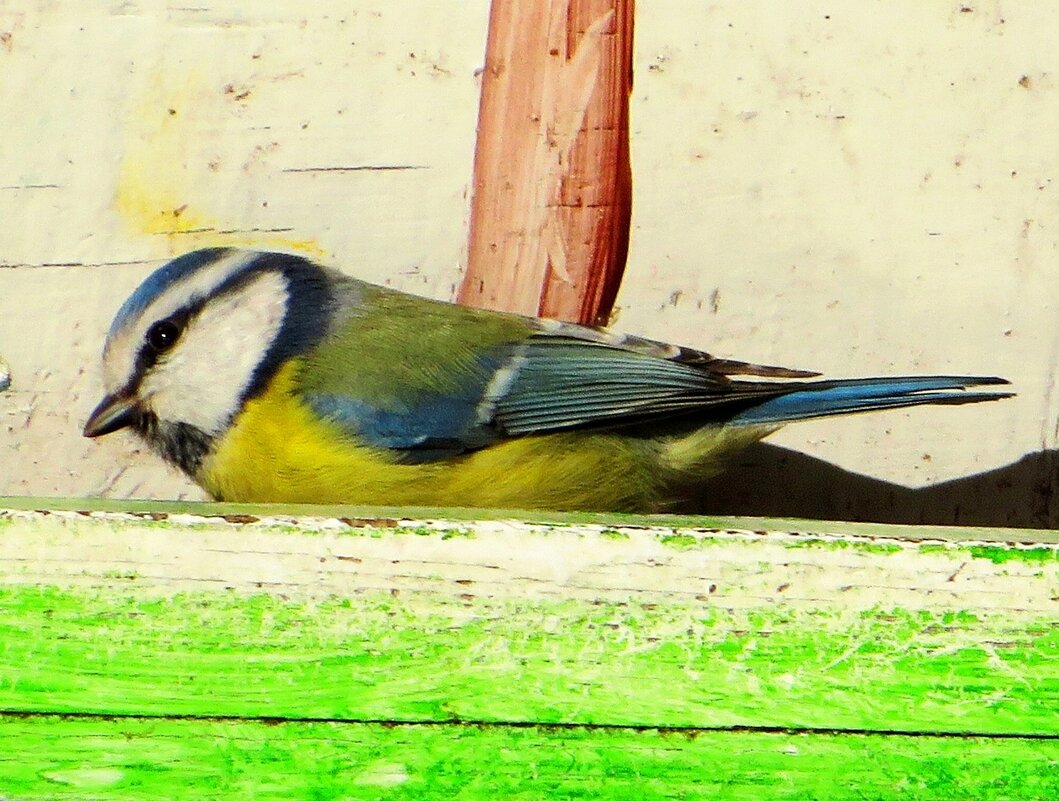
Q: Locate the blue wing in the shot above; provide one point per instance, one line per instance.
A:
(570, 377)
(551, 380)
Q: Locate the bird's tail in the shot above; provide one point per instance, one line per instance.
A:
(826, 398)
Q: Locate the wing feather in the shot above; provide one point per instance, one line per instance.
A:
(428, 380)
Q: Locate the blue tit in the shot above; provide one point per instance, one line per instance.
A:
(269, 378)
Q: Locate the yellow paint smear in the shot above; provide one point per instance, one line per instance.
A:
(165, 176)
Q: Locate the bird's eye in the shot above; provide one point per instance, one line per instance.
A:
(163, 335)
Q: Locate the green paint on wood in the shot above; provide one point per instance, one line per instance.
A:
(998, 555)
(933, 547)
(113, 637)
(681, 541)
(421, 657)
(850, 545)
(123, 760)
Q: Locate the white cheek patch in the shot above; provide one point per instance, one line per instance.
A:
(203, 378)
(119, 359)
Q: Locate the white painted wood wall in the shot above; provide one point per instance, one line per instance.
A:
(853, 188)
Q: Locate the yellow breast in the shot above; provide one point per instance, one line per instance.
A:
(278, 450)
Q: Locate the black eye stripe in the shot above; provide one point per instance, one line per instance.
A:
(152, 349)
(305, 284)
(160, 337)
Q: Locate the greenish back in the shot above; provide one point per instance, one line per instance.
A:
(395, 344)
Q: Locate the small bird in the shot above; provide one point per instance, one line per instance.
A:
(269, 378)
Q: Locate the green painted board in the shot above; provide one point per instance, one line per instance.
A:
(147, 760)
(368, 654)
(380, 657)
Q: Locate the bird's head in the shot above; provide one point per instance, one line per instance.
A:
(199, 337)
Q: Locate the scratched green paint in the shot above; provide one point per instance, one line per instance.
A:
(684, 532)
(420, 657)
(998, 555)
(834, 544)
(136, 760)
(417, 657)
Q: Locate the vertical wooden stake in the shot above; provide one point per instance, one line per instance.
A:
(552, 182)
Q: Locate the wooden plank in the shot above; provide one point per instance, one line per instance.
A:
(57, 758)
(386, 515)
(552, 184)
(517, 623)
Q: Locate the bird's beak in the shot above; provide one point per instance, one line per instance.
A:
(113, 413)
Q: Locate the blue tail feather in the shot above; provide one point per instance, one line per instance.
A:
(826, 398)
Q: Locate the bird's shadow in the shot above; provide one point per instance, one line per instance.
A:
(770, 481)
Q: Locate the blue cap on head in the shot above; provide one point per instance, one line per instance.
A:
(160, 280)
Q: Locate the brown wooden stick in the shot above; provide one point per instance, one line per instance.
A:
(552, 182)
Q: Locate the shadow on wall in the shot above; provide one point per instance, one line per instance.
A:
(769, 481)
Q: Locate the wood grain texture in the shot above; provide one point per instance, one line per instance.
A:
(503, 622)
(138, 759)
(552, 186)
(245, 652)
(388, 516)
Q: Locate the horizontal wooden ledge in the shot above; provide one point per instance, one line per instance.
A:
(371, 615)
(135, 759)
(367, 514)
(325, 556)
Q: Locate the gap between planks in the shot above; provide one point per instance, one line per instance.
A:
(493, 725)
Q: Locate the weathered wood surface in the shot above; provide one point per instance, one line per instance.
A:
(74, 760)
(552, 186)
(371, 654)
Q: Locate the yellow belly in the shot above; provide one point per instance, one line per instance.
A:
(279, 451)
